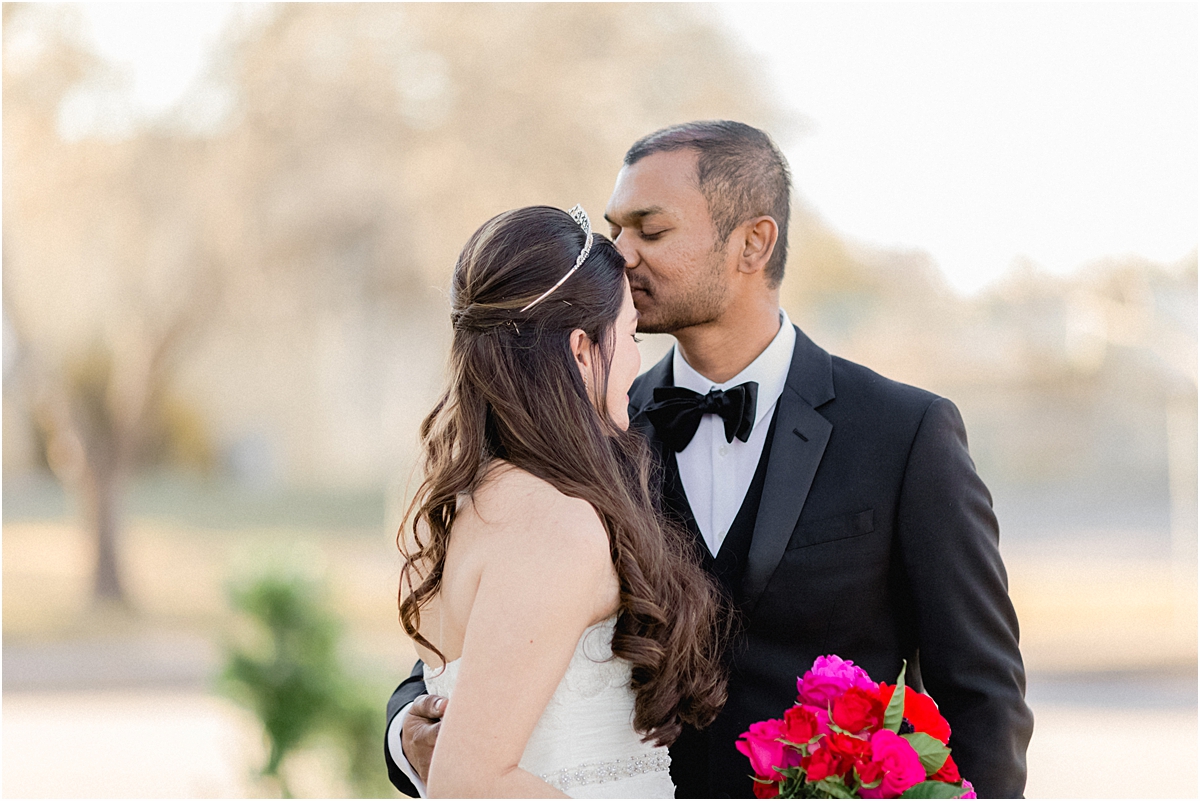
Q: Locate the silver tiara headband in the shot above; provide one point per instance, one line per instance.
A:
(580, 216)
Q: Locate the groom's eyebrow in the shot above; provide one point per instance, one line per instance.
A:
(638, 215)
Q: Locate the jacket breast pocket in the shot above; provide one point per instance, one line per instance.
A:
(832, 529)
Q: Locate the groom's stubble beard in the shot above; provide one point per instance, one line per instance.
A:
(667, 309)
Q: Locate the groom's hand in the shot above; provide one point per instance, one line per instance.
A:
(420, 730)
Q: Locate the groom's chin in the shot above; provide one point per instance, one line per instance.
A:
(658, 324)
(650, 319)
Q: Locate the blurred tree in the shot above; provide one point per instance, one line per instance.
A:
(282, 262)
(402, 127)
(371, 140)
(109, 274)
(285, 265)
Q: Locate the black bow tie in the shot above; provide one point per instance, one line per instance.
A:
(676, 412)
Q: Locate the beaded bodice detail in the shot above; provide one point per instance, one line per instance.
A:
(584, 744)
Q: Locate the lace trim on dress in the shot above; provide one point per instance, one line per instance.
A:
(599, 772)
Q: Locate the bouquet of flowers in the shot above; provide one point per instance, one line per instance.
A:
(848, 737)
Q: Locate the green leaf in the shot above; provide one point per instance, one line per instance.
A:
(931, 750)
(932, 790)
(792, 786)
(834, 787)
(867, 785)
(836, 728)
(800, 746)
(895, 709)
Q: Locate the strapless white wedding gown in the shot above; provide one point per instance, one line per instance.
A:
(584, 743)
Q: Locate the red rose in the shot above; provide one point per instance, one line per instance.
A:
(856, 710)
(948, 772)
(868, 771)
(848, 749)
(923, 714)
(920, 710)
(820, 763)
(764, 788)
(835, 756)
(799, 725)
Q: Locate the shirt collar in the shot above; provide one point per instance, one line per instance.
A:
(769, 369)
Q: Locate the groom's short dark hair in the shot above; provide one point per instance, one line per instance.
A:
(741, 173)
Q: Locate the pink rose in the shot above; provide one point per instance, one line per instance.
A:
(829, 677)
(970, 791)
(766, 753)
(900, 764)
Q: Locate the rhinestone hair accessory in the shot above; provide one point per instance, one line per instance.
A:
(580, 216)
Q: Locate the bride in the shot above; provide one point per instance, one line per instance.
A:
(566, 621)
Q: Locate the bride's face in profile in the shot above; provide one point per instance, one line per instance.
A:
(626, 360)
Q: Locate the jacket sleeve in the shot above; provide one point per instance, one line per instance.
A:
(966, 626)
(404, 695)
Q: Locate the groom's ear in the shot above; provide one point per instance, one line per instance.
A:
(757, 238)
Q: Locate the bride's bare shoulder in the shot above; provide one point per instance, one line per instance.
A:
(519, 504)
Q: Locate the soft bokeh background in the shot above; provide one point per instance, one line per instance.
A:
(227, 235)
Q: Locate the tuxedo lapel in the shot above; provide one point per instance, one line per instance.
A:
(801, 434)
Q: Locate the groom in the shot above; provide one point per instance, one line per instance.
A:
(848, 520)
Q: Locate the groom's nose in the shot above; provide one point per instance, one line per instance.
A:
(627, 250)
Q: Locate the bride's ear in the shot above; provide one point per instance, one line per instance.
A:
(583, 350)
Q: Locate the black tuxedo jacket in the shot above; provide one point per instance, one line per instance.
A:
(874, 540)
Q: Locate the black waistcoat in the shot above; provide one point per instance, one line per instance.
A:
(690, 766)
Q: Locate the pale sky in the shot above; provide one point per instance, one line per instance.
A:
(981, 133)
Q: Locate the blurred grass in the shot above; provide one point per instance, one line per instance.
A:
(1102, 614)
(1080, 608)
(186, 500)
(181, 547)
(177, 573)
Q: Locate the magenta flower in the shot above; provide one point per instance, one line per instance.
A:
(766, 754)
(970, 791)
(829, 677)
(900, 764)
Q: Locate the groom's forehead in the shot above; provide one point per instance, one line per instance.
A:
(660, 183)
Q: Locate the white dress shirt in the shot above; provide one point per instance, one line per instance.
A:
(716, 474)
(395, 746)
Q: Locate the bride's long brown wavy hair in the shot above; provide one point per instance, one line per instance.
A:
(514, 392)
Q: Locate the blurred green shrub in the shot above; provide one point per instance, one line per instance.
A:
(285, 667)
